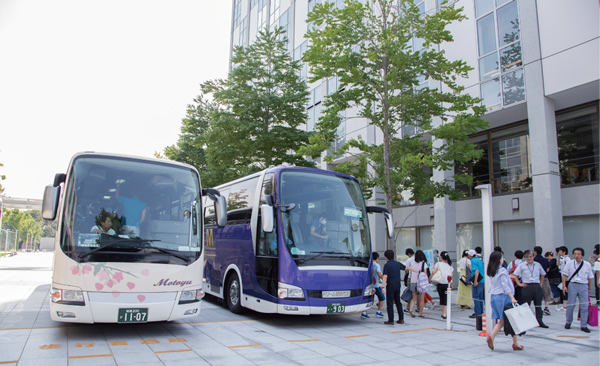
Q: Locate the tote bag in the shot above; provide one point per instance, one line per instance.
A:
(521, 318)
(437, 277)
(406, 295)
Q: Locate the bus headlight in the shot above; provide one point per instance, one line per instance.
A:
(369, 291)
(286, 291)
(67, 297)
(190, 296)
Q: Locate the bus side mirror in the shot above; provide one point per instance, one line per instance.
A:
(266, 218)
(50, 202)
(221, 211)
(389, 224)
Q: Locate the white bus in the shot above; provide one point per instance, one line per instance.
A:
(129, 244)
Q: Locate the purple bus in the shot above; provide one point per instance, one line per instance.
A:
(296, 241)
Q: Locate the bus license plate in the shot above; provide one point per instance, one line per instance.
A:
(136, 315)
(336, 307)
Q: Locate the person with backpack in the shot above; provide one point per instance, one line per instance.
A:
(419, 282)
(554, 277)
(464, 299)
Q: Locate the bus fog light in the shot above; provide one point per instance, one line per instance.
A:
(290, 308)
(190, 311)
(65, 314)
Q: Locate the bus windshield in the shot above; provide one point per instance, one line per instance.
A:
(324, 219)
(129, 210)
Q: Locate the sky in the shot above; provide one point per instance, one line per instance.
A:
(100, 75)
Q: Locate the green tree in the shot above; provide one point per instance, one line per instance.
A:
(258, 110)
(370, 49)
(25, 223)
(2, 177)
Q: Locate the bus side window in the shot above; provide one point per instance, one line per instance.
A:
(267, 242)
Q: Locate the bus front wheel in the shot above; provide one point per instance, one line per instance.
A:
(234, 293)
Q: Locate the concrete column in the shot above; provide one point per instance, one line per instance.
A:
(547, 204)
(444, 214)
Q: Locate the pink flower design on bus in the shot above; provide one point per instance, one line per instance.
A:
(105, 275)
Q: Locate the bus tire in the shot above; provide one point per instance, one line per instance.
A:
(234, 294)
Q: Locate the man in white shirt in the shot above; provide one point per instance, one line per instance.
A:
(577, 276)
(529, 276)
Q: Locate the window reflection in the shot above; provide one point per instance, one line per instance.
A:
(511, 159)
(578, 151)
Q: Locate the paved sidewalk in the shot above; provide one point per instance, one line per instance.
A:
(217, 337)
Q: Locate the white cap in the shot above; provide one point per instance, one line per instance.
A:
(471, 253)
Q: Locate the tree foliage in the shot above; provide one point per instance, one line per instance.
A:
(370, 49)
(28, 224)
(250, 120)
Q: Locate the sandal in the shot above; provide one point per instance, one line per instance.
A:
(411, 314)
(517, 348)
(421, 316)
(490, 343)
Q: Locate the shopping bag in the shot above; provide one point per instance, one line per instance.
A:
(406, 295)
(521, 318)
(593, 316)
(437, 277)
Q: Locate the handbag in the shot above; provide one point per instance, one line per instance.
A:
(593, 315)
(521, 318)
(437, 277)
(406, 295)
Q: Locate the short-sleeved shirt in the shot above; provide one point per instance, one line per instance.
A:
(562, 261)
(542, 261)
(530, 273)
(597, 265)
(584, 274)
(477, 265)
(392, 270)
(132, 209)
(418, 266)
(446, 271)
(376, 269)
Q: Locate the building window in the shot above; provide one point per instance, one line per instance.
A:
(578, 153)
(262, 14)
(284, 23)
(244, 32)
(237, 9)
(500, 54)
(274, 12)
(511, 159)
(479, 169)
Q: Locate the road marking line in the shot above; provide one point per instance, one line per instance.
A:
(412, 330)
(7, 362)
(584, 337)
(118, 343)
(357, 336)
(450, 330)
(173, 340)
(180, 350)
(246, 345)
(220, 321)
(304, 340)
(150, 341)
(50, 346)
(91, 356)
(85, 344)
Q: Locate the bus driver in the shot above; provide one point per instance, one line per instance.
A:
(318, 231)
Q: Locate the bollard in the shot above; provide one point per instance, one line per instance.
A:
(483, 333)
(478, 322)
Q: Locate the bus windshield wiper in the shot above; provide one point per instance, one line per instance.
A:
(111, 243)
(318, 254)
(167, 251)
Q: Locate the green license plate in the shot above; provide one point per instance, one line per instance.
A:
(336, 307)
(136, 315)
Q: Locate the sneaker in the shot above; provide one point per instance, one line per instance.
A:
(546, 311)
(379, 314)
(585, 329)
(473, 316)
(560, 308)
(567, 326)
(364, 316)
(406, 310)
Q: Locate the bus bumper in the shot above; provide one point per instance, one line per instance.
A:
(105, 308)
(314, 310)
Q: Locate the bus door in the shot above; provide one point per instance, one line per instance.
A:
(267, 264)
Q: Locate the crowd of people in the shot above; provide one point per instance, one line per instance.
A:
(546, 279)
